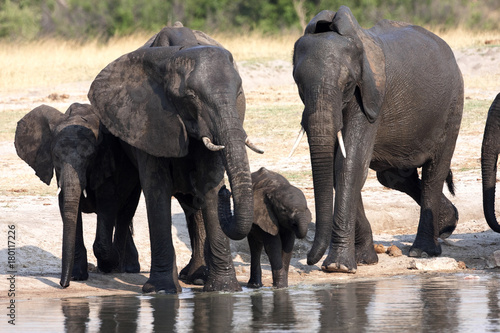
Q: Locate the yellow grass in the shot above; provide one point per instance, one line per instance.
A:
(51, 62)
(460, 38)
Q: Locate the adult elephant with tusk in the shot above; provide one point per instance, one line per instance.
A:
(179, 111)
(394, 95)
(489, 156)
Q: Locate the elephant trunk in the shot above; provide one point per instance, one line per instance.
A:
(489, 156)
(322, 127)
(237, 226)
(69, 201)
(300, 224)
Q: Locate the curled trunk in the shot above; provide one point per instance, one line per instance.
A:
(489, 156)
(237, 226)
(69, 201)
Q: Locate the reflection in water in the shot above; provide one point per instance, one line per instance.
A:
(411, 303)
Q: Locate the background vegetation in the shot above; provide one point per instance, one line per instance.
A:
(84, 19)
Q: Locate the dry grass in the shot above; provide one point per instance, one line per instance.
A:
(460, 38)
(51, 62)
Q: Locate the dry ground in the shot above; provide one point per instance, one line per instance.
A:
(32, 207)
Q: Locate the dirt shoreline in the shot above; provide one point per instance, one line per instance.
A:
(393, 215)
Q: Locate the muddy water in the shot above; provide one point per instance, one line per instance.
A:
(424, 303)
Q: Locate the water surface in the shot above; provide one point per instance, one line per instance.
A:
(421, 303)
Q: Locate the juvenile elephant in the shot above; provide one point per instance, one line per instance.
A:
(281, 214)
(93, 175)
(179, 111)
(394, 95)
(489, 156)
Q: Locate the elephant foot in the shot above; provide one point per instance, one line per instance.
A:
(339, 260)
(448, 220)
(365, 253)
(222, 283)
(197, 276)
(108, 266)
(280, 279)
(423, 249)
(80, 272)
(132, 267)
(366, 257)
(254, 284)
(161, 284)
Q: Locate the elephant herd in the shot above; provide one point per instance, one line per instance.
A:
(167, 120)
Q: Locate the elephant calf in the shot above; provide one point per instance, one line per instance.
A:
(280, 215)
(93, 175)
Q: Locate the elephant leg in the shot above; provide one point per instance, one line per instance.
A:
(196, 271)
(80, 267)
(287, 243)
(221, 273)
(157, 185)
(350, 176)
(256, 245)
(107, 256)
(365, 251)
(434, 173)
(408, 181)
(106, 210)
(274, 251)
(123, 241)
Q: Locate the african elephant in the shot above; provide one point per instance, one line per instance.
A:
(394, 95)
(489, 156)
(179, 111)
(93, 175)
(281, 214)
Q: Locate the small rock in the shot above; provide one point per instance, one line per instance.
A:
(493, 260)
(91, 268)
(434, 264)
(379, 248)
(462, 265)
(394, 251)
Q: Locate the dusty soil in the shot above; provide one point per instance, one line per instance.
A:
(394, 216)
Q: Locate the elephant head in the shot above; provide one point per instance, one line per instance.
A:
(161, 99)
(46, 139)
(489, 155)
(278, 204)
(335, 61)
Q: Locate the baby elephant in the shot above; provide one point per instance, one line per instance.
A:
(280, 215)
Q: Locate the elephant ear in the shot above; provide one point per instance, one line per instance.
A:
(177, 35)
(320, 23)
(373, 78)
(129, 98)
(263, 212)
(33, 140)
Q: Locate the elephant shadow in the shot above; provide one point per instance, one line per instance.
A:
(42, 265)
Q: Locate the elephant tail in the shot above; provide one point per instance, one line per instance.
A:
(449, 182)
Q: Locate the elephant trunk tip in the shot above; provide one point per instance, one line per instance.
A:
(64, 283)
(226, 217)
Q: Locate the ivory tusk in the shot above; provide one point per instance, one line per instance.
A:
(341, 143)
(85, 193)
(297, 141)
(253, 147)
(210, 146)
(58, 190)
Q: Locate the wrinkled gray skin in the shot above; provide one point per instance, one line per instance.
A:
(489, 156)
(196, 271)
(396, 94)
(280, 215)
(84, 159)
(161, 101)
